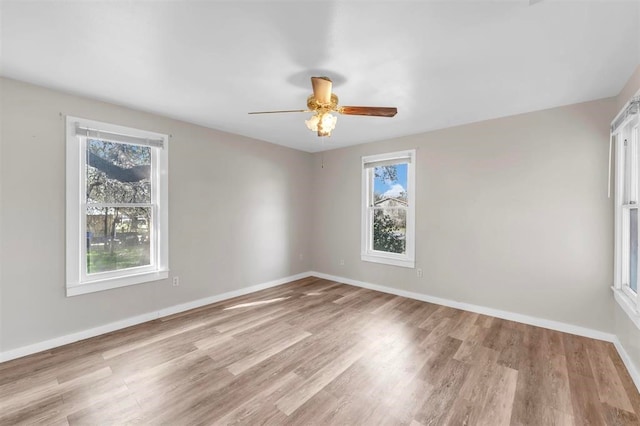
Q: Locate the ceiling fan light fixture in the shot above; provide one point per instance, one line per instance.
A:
(327, 122)
(312, 123)
(322, 122)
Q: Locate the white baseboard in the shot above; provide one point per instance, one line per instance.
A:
(128, 322)
(628, 362)
(511, 316)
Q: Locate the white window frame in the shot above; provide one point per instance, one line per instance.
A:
(78, 281)
(367, 254)
(626, 138)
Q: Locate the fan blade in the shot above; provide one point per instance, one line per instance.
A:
(321, 89)
(371, 111)
(278, 112)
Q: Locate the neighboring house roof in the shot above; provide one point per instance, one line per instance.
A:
(391, 202)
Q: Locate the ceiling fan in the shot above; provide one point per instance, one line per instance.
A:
(322, 103)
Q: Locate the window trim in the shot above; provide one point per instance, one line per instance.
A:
(626, 199)
(77, 281)
(367, 254)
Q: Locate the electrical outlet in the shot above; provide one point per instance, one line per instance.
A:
(341, 262)
(301, 256)
(419, 272)
(176, 281)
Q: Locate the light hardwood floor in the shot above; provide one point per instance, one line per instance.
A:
(319, 352)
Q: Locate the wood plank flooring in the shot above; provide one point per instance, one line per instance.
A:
(320, 352)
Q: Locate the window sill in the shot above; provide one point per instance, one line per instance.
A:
(627, 305)
(107, 284)
(405, 263)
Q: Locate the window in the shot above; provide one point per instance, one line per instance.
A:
(626, 134)
(117, 223)
(388, 208)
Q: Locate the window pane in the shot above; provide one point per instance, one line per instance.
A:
(117, 238)
(390, 185)
(633, 249)
(118, 173)
(389, 230)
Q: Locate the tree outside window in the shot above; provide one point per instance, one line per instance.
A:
(118, 206)
(390, 204)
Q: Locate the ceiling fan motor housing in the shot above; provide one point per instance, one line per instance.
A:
(314, 105)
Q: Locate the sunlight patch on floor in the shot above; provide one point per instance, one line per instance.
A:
(258, 303)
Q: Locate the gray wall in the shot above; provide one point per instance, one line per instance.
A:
(239, 216)
(511, 214)
(625, 329)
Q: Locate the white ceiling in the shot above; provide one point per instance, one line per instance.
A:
(441, 63)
